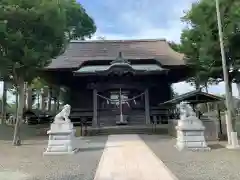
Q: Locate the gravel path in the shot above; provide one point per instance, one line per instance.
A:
(218, 164)
(28, 163)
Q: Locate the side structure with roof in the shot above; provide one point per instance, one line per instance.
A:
(117, 82)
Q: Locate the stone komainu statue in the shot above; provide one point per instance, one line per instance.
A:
(63, 115)
(186, 110)
(188, 117)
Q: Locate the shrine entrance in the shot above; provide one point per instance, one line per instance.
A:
(121, 102)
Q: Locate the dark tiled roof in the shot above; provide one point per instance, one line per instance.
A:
(196, 96)
(81, 51)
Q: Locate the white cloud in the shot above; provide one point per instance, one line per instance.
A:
(170, 35)
(144, 19)
(137, 16)
(183, 87)
(145, 28)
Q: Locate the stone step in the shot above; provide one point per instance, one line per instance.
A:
(127, 131)
(58, 149)
(132, 119)
(59, 142)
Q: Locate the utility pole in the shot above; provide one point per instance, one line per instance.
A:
(226, 79)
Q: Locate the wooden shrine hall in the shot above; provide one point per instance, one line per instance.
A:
(120, 82)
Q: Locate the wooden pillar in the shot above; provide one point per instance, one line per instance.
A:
(54, 107)
(95, 118)
(147, 109)
(49, 99)
(58, 99)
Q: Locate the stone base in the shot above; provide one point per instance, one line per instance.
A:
(234, 141)
(61, 153)
(61, 139)
(191, 138)
(193, 148)
(233, 147)
(121, 123)
(192, 144)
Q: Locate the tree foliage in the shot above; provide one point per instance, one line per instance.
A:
(32, 32)
(79, 23)
(200, 40)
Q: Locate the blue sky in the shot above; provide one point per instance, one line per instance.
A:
(142, 19)
(131, 19)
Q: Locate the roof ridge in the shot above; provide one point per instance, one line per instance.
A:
(116, 41)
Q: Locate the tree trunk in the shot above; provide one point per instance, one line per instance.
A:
(16, 138)
(197, 85)
(4, 103)
(206, 87)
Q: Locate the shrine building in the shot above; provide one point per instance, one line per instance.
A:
(118, 82)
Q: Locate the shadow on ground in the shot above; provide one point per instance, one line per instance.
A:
(27, 132)
(216, 146)
(29, 159)
(90, 149)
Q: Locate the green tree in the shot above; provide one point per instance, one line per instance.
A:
(34, 32)
(202, 21)
(175, 46)
(79, 23)
(194, 49)
(190, 46)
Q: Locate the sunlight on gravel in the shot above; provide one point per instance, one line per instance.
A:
(28, 163)
(217, 164)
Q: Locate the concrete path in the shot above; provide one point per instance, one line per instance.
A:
(127, 157)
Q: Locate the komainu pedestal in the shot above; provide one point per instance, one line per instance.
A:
(61, 135)
(190, 132)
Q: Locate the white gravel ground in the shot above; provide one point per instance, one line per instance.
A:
(28, 163)
(218, 164)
